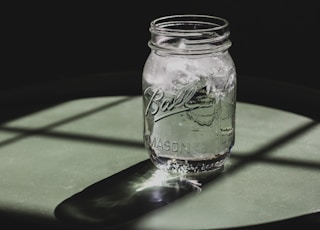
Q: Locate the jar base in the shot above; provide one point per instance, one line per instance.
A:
(183, 166)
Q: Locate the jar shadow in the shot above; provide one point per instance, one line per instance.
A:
(125, 196)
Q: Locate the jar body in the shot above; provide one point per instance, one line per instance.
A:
(189, 104)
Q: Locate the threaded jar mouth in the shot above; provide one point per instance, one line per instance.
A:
(193, 34)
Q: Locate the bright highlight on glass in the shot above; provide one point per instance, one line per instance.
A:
(189, 94)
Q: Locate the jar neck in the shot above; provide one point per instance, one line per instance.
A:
(189, 34)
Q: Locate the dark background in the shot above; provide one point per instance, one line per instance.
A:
(58, 40)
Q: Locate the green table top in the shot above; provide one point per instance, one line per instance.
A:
(83, 162)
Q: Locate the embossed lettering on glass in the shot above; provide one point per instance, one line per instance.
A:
(189, 94)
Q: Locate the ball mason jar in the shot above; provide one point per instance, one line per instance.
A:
(189, 94)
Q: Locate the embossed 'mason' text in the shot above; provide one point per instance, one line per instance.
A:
(173, 146)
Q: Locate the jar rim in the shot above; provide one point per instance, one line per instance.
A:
(189, 34)
(164, 24)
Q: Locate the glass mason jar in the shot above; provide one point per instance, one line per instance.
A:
(189, 94)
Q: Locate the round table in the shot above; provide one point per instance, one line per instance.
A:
(78, 160)
(81, 163)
